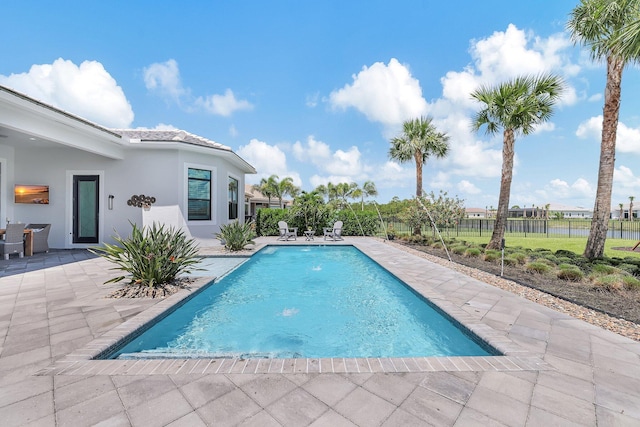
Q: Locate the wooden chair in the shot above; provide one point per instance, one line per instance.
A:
(13, 242)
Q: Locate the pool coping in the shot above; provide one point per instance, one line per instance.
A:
(515, 358)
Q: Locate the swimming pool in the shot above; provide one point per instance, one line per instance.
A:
(305, 301)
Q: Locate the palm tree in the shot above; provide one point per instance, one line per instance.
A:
(515, 106)
(267, 187)
(368, 190)
(631, 208)
(610, 29)
(621, 206)
(285, 188)
(419, 140)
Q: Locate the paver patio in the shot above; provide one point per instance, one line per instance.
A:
(52, 308)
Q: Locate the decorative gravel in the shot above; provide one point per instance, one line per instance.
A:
(619, 326)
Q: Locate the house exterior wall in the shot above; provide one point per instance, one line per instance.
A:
(160, 173)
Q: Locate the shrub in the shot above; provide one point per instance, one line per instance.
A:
(153, 256)
(459, 249)
(566, 254)
(492, 255)
(236, 236)
(267, 221)
(631, 283)
(609, 282)
(602, 269)
(436, 245)
(570, 272)
(565, 260)
(510, 260)
(547, 262)
(519, 257)
(537, 267)
(552, 258)
(472, 252)
(629, 268)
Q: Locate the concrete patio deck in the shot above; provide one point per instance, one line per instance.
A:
(557, 370)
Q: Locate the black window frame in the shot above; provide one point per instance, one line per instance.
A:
(193, 201)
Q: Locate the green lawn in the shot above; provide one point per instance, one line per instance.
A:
(573, 244)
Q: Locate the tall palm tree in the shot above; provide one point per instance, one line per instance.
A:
(419, 140)
(621, 206)
(610, 29)
(515, 106)
(368, 190)
(631, 208)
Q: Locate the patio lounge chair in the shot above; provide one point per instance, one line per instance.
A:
(13, 243)
(334, 233)
(285, 232)
(40, 237)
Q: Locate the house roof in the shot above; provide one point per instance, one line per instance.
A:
(27, 122)
(177, 135)
(185, 139)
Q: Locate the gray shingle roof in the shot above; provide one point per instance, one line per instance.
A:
(170, 136)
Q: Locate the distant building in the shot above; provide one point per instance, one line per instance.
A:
(254, 200)
(552, 210)
(615, 211)
(476, 213)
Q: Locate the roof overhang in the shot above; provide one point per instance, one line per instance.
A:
(26, 122)
(228, 155)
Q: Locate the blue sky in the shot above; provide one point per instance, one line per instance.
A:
(315, 90)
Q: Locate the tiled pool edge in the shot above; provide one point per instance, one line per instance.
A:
(83, 362)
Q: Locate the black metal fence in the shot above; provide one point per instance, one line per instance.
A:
(554, 228)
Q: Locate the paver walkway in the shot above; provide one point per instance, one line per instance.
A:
(52, 306)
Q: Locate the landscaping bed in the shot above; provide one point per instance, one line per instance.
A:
(618, 303)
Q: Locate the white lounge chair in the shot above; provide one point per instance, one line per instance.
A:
(334, 233)
(285, 232)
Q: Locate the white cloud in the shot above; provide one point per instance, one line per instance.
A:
(467, 187)
(627, 139)
(233, 131)
(625, 184)
(387, 94)
(268, 160)
(339, 163)
(87, 90)
(560, 189)
(595, 97)
(164, 78)
(508, 54)
(544, 127)
(223, 105)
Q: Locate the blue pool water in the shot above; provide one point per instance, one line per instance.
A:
(305, 301)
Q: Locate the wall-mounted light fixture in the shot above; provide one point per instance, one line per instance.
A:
(110, 204)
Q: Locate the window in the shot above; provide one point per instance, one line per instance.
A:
(199, 198)
(233, 198)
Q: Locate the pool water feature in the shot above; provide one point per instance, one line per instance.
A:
(305, 301)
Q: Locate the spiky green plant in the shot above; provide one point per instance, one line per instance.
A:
(236, 235)
(152, 256)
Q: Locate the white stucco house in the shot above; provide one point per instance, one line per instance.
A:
(86, 175)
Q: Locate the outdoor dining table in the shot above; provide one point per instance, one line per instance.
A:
(28, 243)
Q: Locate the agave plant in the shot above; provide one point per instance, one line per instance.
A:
(236, 236)
(152, 256)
